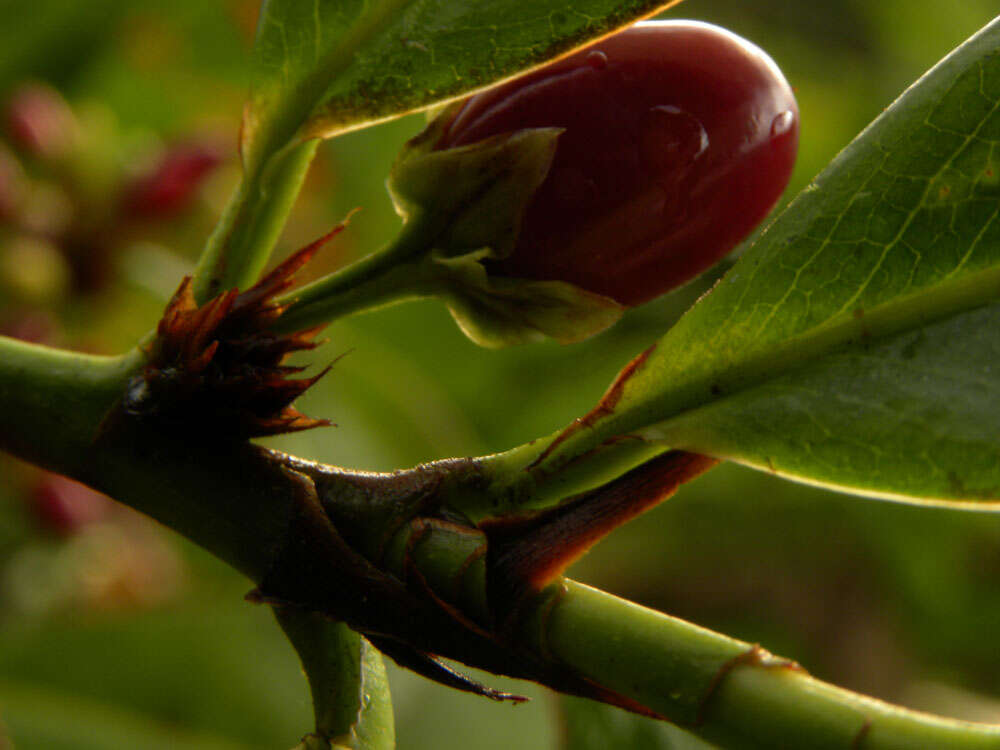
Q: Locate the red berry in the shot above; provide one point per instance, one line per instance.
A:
(168, 188)
(679, 138)
(64, 506)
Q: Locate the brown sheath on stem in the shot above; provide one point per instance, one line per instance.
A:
(527, 553)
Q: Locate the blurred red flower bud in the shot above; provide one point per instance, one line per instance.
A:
(39, 122)
(168, 188)
(63, 506)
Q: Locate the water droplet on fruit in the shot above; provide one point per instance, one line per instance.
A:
(671, 137)
(782, 123)
(597, 60)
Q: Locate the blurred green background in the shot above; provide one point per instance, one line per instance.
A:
(117, 634)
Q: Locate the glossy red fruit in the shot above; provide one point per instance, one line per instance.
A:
(679, 138)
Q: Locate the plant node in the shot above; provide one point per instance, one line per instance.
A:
(219, 368)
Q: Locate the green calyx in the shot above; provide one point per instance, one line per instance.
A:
(476, 194)
(462, 206)
(497, 311)
(473, 199)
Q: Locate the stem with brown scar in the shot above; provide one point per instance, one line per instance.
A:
(244, 508)
(729, 692)
(526, 554)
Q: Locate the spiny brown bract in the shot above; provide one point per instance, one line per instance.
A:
(217, 368)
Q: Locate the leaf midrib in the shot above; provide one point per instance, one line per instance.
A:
(302, 99)
(903, 313)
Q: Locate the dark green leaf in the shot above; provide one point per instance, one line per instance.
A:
(323, 67)
(913, 415)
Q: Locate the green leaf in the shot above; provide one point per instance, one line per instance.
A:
(322, 67)
(596, 726)
(856, 344)
(913, 415)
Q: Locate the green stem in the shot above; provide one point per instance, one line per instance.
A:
(57, 410)
(398, 272)
(722, 689)
(347, 679)
(52, 401)
(513, 485)
(727, 691)
(238, 249)
(239, 502)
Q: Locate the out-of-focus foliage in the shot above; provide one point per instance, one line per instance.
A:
(897, 601)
